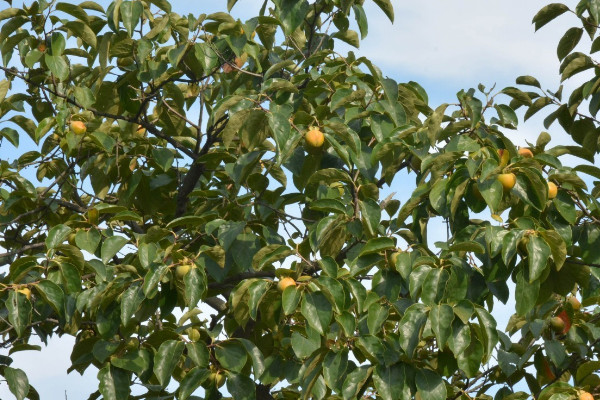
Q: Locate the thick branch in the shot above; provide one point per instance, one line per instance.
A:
(189, 183)
(197, 169)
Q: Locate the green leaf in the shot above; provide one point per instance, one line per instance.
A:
(507, 115)
(371, 215)
(317, 311)
(354, 382)
(229, 231)
(82, 30)
(88, 240)
(291, 13)
(241, 387)
(489, 334)
(163, 157)
(586, 369)
(58, 66)
(71, 277)
(192, 381)
(10, 12)
(377, 245)
(347, 322)
(17, 382)
(137, 361)
(470, 359)
(270, 254)
(58, 44)
(130, 302)
(232, 355)
(11, 135)
(290, 299)
(256, 292)
(230, 4)
(258, 360)
(111, 247)
(509, 245)
(19, 311)
(461, 336)
(57, 235)
(517, 94)
(548, 13)
(386, 7)
(391, 382)
(74, 10)
(348, 36)
(21, 267)
(537, 105)
(195, 286)
(594, 8)
(528, 80)
(304, 347)
(376, 316)
(114, 383)
(52, 294)
(165, 360)
(152, 278)
(441, 317)
(558, 247)
(131, 11)
(430, 385)
(334, 369)
(526, 294)
(162, 4)
(84, 96)
(470, 246)
(434, 286)
(538, 253)
(565, 206)
(198, 353)
(531, 188)
(361, 20)
(568, 42)
(4, 86)
(411, 326)
(573, 64)
(103, 349)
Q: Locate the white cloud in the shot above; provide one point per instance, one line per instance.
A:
(465, 40)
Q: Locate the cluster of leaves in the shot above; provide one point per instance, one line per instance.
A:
(176, 200)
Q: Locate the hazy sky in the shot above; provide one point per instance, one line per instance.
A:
(444, 45)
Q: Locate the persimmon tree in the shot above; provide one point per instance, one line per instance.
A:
(162, 202)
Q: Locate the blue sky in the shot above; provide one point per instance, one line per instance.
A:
(444, 45)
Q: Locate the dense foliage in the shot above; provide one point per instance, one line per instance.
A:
(161, 201)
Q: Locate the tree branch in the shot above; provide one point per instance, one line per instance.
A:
(22, 250)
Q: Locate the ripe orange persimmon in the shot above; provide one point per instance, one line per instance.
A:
(78, 127)
(552, 190)
(314, 138)
(525, 152)
(508, 181)
(585, 396)
(285, 282)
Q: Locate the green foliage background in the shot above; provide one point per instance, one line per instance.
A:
(154, 213)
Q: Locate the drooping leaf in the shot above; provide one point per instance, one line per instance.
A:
(165, 360)
(17, 381)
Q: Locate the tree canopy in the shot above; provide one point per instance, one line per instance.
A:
(208, 205)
